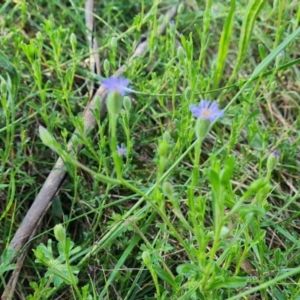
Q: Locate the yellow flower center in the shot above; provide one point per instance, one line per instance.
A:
(206, 112)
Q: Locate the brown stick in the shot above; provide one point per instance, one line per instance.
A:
(11, 285)
(53, 182)
(93, 44)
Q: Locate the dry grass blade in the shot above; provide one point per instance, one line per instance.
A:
(54, 181)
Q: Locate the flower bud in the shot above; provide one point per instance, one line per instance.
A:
(73, 41)
(262, 51)
(47, 138)
(167, 136)
(273, 85)
(60, 233)
(106, 66)
(3, 88)
(224, 231)
(163, 147)
(168, 189)
(279, 59)
(257, 185)
(146, 258)
(180, 8)
(127, 103)
(114, 103)
(187, 93)
(39, 36)
(113, 42)
(181, 53)
(272, 160)
(202, 128)
(172, 27)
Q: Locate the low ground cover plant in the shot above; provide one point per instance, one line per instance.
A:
(149, 150)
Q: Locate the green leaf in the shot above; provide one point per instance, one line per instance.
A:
(227, 172)
(34, 106)
(5, 261)
(274, 54)
(229, 283)
(48, 139)
(15, 122)
(12, 72)
(85, 292)
(57, 280)
(119, 264)
(224, 44)
(262, 51)
(253, 114)
(251, 209)
(252, 11)
(44, 253)
(166, 277)
(254, 187)
(214, 180)
(188, 270)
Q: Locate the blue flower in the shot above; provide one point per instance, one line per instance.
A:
(207, 110)
(122, 151)
(116, 84)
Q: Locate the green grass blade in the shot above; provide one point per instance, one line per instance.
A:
(12, 72)
(119, 264)
(224, 44)
(252, 11)
(274, 54)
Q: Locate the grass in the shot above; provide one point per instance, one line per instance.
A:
(180, 217)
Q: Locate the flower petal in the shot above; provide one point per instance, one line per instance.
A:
(116, 84)
(207, 110)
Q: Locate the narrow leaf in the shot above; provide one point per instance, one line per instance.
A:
(224, 44)
(252, 11)
(12, 72)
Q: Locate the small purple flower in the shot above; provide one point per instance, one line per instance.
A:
(172, 23)
(116, 84)
(207, 110)
(122, 151)
(276, 153)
